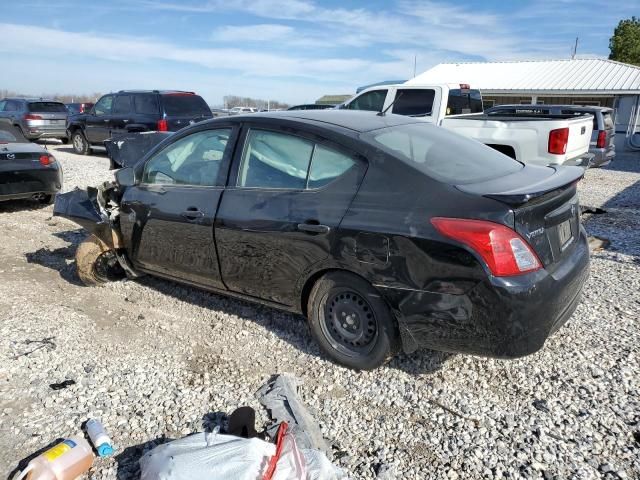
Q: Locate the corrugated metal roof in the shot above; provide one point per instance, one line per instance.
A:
(578, 75)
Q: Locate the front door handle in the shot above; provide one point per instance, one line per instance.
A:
(314, 228)
(192, 213)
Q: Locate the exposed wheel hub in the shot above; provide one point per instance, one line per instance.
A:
(107, 267)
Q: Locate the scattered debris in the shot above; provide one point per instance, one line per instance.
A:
(598, 243)
(61, 385)
(280, 397)
(44, 343)
(541, 405)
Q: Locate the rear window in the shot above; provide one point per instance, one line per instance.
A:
(47, 107)
(414, 102)
(443, 155)
(464, 101)
(185, 105)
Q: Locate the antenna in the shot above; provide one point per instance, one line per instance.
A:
(575, 49)
(382, 112)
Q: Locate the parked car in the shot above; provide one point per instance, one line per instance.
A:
(75, 108)
(311, 106)
(602, 144)
(36, 118)
(240, 110)
(554, 140)
(383, 231)
(27, 170)
(135, 111)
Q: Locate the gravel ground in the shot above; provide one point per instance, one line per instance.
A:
(154, 360)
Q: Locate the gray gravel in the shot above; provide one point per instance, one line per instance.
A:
(154, 360)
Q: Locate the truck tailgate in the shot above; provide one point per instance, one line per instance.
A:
(579, 136)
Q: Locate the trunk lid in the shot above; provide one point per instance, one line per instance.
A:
(545, 207)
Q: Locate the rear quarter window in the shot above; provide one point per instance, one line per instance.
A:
(442, 155)
(145, 104)
(187, 105)
(464, 101)
(47, 107)
(607, 118)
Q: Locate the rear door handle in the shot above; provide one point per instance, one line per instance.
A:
(313, 228)
(192, 213)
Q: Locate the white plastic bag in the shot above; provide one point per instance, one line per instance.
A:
(223, 457)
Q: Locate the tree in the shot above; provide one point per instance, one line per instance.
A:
(625, 43)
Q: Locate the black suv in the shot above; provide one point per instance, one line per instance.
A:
(135, 111)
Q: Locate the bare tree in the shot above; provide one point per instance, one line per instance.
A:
(231, 101)
(60, 97)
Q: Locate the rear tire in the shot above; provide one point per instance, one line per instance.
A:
(351, 322)
(80, 143)
(96, 264)
(48, 199)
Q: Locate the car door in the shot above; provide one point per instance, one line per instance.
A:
(121, 114)
(167, 218)
(97, 128)
(287, 194)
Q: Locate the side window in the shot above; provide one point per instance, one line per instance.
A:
(121, 105)
(12, 106)
(2, 104)
(192, 160)
(372, 101)
(274, 160)
(103, 107)
(146, 104)
(327, 165)
(414, 102)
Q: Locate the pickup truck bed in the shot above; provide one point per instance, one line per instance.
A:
(528, 138)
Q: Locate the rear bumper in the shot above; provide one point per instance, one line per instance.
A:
(500, 317)
(583, 161)
(602, 156)
(35, 132)
(26, 184)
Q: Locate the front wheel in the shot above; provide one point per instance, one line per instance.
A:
(80, 143)
(96, 263)
(351, 322)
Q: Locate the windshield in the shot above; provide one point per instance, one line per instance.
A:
(47, 107)
(464, 101)
(443, 155)
(185, 105)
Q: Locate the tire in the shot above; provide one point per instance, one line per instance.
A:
(79, 142)
(96, 263)
(48, 199)
(369, 336)
(64, 140)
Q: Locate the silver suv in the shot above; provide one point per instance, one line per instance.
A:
(37, 118)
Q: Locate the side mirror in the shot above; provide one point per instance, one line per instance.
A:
(126, 177)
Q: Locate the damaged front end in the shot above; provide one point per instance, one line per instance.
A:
(97, 210)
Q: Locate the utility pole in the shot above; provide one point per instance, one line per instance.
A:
(575, 49)
(415, 60)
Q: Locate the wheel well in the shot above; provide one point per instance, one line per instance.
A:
(508, 150)
(311, 281)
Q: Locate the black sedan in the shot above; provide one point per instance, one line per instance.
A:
(27, 170)
(384, 232)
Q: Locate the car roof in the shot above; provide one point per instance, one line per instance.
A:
(354, 120)
(23, 99)
(161, 92)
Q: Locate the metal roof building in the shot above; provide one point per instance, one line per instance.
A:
(594, 81)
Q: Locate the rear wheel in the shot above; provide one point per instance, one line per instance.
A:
(351, 322)
(96, 263)
(80, 144)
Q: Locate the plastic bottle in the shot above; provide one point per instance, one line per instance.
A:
(65, 461)
(99, 437)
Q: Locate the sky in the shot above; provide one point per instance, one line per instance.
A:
(288, 50)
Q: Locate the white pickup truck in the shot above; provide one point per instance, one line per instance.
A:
(551, 140)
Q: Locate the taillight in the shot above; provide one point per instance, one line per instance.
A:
(47, 160)
(558, 139)
(31, 116)
(502, 249)
(602, 139)
(162, 126)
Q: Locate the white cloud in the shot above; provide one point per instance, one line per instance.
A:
(252, 33)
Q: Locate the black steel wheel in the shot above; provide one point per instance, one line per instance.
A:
(351, 322)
